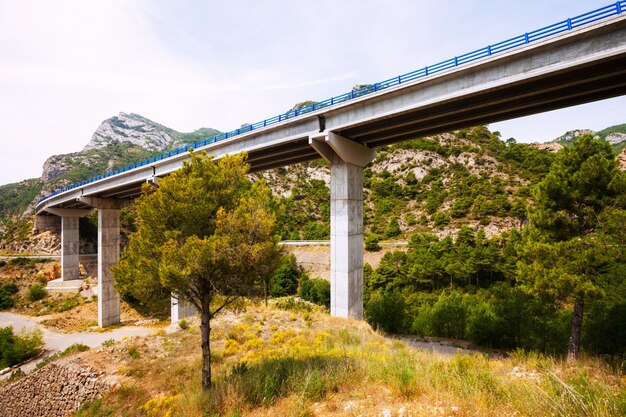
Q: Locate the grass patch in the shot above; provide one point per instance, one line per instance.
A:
(71, 350)
(18, 347)
(292, 303)
(36, 292)
(273, 369)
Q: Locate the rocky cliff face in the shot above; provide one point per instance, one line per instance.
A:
(131, 128)
(550, 147)
(568, 137)
(58, 165)
(616, 138)
(614, 135)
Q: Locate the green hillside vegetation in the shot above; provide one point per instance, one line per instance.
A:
(181, 139)
(471, 178)
(90, 163)
(612, 129)
(522, 288)
(14, 198)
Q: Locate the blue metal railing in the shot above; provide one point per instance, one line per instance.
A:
(489, 50)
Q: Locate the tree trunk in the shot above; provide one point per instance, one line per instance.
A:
(205, 331)
(576, 331)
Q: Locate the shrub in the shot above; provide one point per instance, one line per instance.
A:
(386, 311)
(70, 350)
(133, 352)
(441, 219)
(291, 303)
(371, 243)
(461, 207)
(6, 296)
(315, 231)
(18, 347)
(183, 324)
(2, 263)
(109, 343)
(36, 292)
(393, 229)
(604, 331)
(285, 279)
(69, 303)
(19, 261)
(9, 288)
(315, 290)
(445, 318)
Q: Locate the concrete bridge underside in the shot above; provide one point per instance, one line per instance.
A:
(580, 66)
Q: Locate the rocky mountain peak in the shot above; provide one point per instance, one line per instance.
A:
(131, 128)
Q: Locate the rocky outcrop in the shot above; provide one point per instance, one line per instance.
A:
(57, 165)
(616, 138)
(43, 243)
(569, 137)
(550, 146)
(57, 390)
(131, 128)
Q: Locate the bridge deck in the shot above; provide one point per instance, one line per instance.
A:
(576, 66)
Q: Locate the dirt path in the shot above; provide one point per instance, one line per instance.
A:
(55, 342)
(445, 347)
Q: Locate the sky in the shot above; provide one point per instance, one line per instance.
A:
(65, 66)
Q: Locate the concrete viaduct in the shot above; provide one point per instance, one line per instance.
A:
(539, 71)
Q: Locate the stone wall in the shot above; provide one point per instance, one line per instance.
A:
(57, 390)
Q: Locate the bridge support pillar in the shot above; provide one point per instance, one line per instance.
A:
(108, 254)
(181, 309)
(69, 248)
(347, 159)
(346, 240)
(70, 240)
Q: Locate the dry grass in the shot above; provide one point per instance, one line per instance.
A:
(85, 316)
(270, 362)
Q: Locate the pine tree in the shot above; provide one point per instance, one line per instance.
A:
(205, 234)
(563, 256)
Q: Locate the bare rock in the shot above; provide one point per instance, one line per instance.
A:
(131, 128)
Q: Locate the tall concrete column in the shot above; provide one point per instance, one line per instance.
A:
(346, 239)
(347, 159)
(70, 239)
(108, 255)
(69, 248)
(181, 309)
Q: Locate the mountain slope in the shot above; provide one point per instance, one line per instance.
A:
(436, 184)
(141, 131)
(615, 135)
(118, 141)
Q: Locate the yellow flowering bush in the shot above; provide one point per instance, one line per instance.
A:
(161, 406)
(231, 346)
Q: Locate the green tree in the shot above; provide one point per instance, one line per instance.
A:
(284, 281)
(565, 258)
(205, 234)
